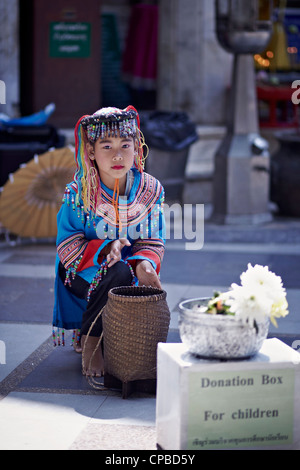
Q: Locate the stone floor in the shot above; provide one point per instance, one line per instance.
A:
(46, 402)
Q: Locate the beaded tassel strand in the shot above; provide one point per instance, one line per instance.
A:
(71, 271)
(102, 271)
(56, 337)
(75, 338)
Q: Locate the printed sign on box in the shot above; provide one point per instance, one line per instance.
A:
(239, 409)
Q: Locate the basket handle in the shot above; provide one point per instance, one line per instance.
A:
(91, 380)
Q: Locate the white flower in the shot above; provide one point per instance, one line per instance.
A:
(259, 277)
(261, 294)
(249, 305)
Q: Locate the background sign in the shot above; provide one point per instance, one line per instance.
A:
(70, 39)
(239, 409)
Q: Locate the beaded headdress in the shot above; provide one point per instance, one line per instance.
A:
(109, 122)
(106, 122)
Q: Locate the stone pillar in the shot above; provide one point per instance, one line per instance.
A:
(242, 163)
(9, 53)
(194, 71)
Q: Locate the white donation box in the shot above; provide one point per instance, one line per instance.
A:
(241, 404)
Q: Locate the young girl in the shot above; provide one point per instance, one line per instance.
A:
(111, 226)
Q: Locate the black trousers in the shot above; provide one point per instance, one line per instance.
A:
(118, 275)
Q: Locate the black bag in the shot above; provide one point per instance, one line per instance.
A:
(168, 130)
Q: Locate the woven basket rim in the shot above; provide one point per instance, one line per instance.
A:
(154, 294)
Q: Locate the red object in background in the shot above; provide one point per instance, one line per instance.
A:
(279, 101)
(139, 64)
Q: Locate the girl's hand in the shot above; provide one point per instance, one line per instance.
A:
(146, 274)
(115, 247)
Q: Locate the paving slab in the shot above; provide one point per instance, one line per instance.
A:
(44, 421)
(20, 341)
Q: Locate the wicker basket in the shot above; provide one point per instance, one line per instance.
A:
(135, 319)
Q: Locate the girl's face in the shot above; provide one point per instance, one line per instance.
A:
(114, 157)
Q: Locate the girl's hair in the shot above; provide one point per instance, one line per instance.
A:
(106, 122)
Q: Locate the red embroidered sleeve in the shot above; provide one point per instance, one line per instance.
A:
(71, 249)
(150, 249)
(78, 248)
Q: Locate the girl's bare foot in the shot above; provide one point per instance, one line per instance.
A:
(92, 360)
